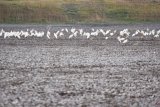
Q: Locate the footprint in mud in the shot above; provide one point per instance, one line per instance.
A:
(2, 68)
(64, 94)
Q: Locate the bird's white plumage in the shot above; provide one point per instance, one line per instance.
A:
(48, 34)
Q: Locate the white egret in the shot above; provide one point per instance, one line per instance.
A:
(153, 32)
(32, 32)
(120, 39)
(62, 30)
(87, 34)
(13, 33)
(81, 32)
(2, 32)
(95, 33)
(61, 34)
(103, 32)
(56, 34)
(24, 33)
(66, 30)
(111, 34)
(7, 34)
(157, 34)
(73, 30)
(106, 37)
(48, 34)
(40, 34)
(125, 32)
(70, 36)
(136, 33)
(73, 34)
(125, 41)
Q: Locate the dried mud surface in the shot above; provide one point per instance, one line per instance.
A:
(79, 73)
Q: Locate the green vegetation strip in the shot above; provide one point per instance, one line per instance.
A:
(79, 11)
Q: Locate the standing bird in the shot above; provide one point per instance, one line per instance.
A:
(73, 34)
(73, 30)
(103, 32)
(56, 34)
(111, 34)
(2, 32)
(61, 34)
(66, 30)
(87, 34)
(95, 33)
(152, 32)
(32, 33)
(17, 34)
(120, 39)
(62, 30)
(106, 37)
(157, 34)
(40, 34)
(136, 33)
(48, 34)
(125, 41)
(125, 32)
(25, 33)
(7, 34)
(81, 32)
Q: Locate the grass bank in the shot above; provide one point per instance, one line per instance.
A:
(79, 11)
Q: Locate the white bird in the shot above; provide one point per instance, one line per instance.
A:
(32, 32)
(70, 36)
(87, 34)
(11, 33)
(153, 32)
(93, 29)
(146, 34)
(95, 33)
(66, 30)
(61, 34)
(73, 34)
(111, 34)
(125, 41)
(157, 34)
(73, 30)
(106, 37)
(143, 33)
(2, 32)
(81, 32)
(62, 30)
(56, 34)
(15, 34)
(48, 34)
(25, 33)
(136, 33)
(125, 32)
(40, 34)
(103, 32)
(120, 39)
(7, 34)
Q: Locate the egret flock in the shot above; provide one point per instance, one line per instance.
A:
(122, 36)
